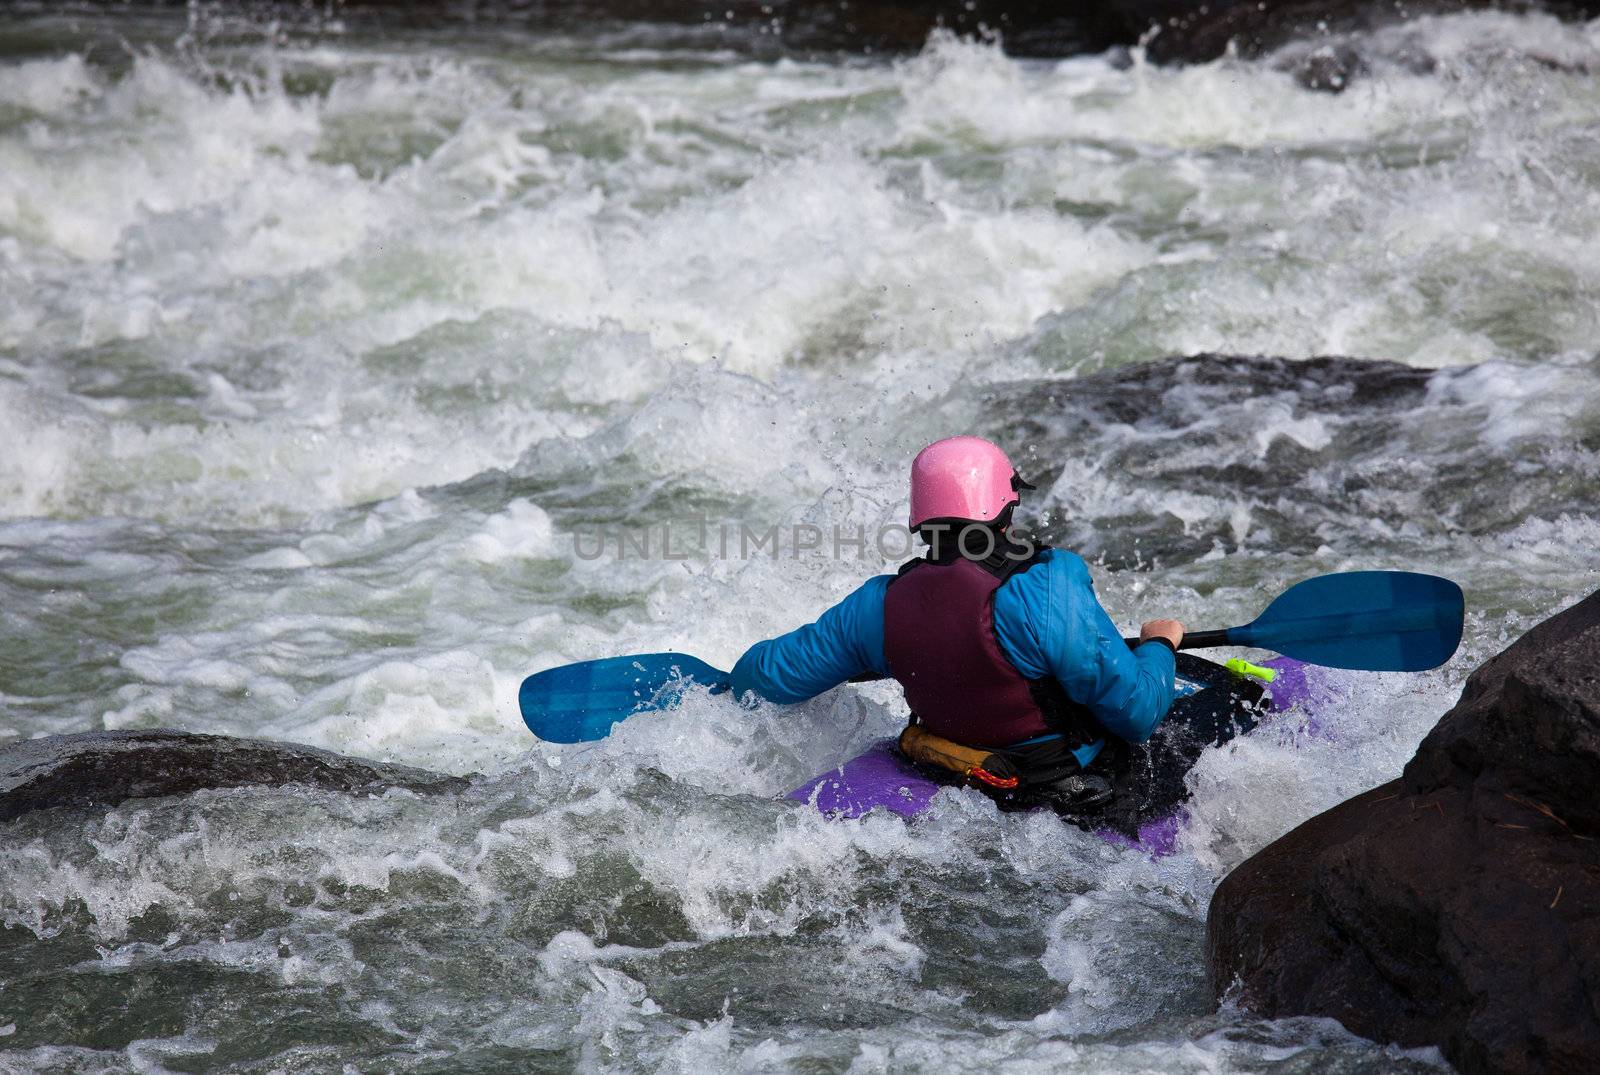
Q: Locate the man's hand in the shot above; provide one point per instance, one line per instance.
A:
(1171, 630)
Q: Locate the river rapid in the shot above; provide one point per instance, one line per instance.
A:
(348, 377)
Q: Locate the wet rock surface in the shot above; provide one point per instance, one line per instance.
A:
(106, 768)
(1456, 906)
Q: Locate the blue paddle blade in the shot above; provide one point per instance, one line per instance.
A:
(577, 703)
(1382, 621)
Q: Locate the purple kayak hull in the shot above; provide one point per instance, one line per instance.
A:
(881, 779)
(878, 779)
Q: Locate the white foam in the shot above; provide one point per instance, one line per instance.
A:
(48, 87)
(821, 243)
(972, 91)
(522, 531)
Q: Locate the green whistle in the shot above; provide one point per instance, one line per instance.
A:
(1245, 668)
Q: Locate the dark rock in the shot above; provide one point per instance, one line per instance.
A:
(106, 768)
(1528, 722)
(1460, 905)
(1174, 30)
(1328, 68)
(1197, 32)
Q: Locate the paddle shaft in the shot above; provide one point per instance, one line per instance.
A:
(1192, 639)
(1322, 626)
(1335, 625)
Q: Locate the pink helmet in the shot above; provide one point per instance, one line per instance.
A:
(962, 478)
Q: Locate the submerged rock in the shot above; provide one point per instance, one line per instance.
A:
(1288, 446)
(1456, 906)
(1271, 453)
(106, 768)
(1328, 68)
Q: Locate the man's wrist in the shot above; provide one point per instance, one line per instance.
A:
(1164, 640)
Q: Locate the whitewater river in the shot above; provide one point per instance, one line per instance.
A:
(328, 358)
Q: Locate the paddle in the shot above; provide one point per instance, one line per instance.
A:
(1380, 621)
(1383, 621)
(576, 703)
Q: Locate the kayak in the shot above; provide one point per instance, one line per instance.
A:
(1211, 701)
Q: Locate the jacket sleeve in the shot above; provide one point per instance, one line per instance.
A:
(1050, 622)
(846, 641)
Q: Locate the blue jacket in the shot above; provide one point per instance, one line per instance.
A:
(1047, 620)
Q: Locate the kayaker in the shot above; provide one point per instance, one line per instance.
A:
(1018, 681)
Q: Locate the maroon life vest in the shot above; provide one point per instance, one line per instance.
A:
(939, 641)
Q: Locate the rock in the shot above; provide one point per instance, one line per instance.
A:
(1528, 719)
(1458, 906)
(1175, 30)
(1188, 32)
(1328, 68)
(779, 27)
(106, 768)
